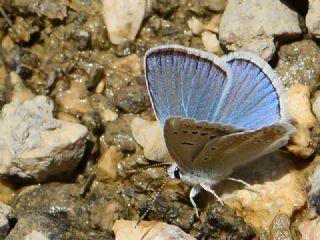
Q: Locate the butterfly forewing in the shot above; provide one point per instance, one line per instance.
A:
(186, 138)
(240, 148)
(183, 81)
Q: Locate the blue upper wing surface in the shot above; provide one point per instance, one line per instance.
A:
(254, 97)
(185, 82)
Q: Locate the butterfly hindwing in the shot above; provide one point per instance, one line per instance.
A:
(237, 149)
(184, 82)
(186, 138)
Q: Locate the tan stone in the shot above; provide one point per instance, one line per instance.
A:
(213, 24)
(211, 43)
(310, 229)
(72, 100)
(259, 209)
(108, 115)
(20, 92)
(299, 106)
(300, 151)
(149, 135)
(67, 117)
(108, 164)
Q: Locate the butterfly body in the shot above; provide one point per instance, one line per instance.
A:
(216, 113)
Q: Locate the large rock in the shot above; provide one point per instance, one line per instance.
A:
(34, 146)
(313, 18)
(278, 188)
(253, 24)
(52, 211)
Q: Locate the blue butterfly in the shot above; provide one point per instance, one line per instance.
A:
(216, 113)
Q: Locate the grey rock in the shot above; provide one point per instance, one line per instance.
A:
(118, 133)
(299, 63)
(253, 24)
(213, 5)
(132, 99)
(314, 192)
(22, 62)
(50, 9)
(313, 18)
(35, 146)
(222, 221)
(280, 228)
(52, 211)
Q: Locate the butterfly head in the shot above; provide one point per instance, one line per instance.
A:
(174, 171)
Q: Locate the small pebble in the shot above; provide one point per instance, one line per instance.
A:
(123, 19)
(195, 25)
(108, 164)
(211, 43)
(72, 99)
(108, 115)
(127, 230)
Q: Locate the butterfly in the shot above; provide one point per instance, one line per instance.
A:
(216, 113)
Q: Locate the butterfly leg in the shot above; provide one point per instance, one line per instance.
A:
(208, 189)
(247, 185)
(195, 190)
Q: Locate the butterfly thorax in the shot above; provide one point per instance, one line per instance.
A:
(194, 178)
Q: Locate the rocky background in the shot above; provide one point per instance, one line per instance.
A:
(77, 128)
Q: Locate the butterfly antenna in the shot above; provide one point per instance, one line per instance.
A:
(150, 206)
(156, 165)
(7, 19)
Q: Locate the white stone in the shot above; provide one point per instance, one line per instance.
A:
(252, 24)
(36, 146)
(36, 235)
(4, 221)
(123, 19)
(149, 135)
(313, 18)
(211, 43)
(148, 230)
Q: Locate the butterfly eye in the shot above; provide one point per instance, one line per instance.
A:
(176, 173)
